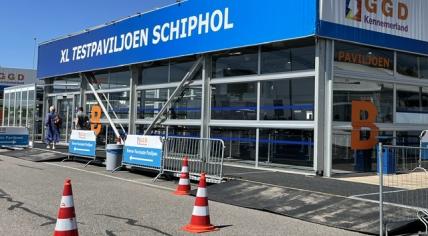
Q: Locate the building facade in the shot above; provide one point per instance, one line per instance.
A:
(277, 81)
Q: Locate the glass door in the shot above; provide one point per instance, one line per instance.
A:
(65, 109)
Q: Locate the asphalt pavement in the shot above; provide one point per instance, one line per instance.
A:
(121, 203)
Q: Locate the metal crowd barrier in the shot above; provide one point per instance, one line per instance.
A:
(403, 185)
(204, 155)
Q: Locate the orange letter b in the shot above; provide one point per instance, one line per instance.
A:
(359, 121)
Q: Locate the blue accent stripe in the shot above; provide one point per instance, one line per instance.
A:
(337, 31)
(253, 140)
(308, 107)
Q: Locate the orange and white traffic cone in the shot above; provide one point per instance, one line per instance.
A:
(200, 221)
(66, 224)
(183, 187)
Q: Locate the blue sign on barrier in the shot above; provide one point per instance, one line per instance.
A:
(82, 143)
(14, 139)
(84, 148)
(143, 151)
(143, 156)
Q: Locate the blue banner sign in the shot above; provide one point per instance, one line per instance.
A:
(187, 28)
(14, 136)
(82, 143)
(145, 151)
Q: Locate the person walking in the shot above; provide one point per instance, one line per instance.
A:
(82, 120)
(53, 124)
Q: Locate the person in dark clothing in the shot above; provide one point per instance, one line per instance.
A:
(52, 124)
(82, 120)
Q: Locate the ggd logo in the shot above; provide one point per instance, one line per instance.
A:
(353, 9)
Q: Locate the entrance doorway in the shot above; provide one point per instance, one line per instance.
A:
(65, 105)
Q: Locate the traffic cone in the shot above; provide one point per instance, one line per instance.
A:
(200, 221)
(183, 187)
(66, 224)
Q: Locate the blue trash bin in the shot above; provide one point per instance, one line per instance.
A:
(388, 162)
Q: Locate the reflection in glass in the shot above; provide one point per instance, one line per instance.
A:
(155, 73)
(288, 56)
(291, 99)
(102, 80)
(6, 109)
(423, 67)
(407, 64)
(91, 101)
(237, 101)
(408, 138)
(17, 109)
(280, 146)
(120, 78)
(120, 103)
(24, 105)
(408, 98)
(188, 106)
(240, 143)
(155, 131)
(235, 63)
(344, 158)
(348, 90)
(184, 131)
(180, 67)
(150, 102)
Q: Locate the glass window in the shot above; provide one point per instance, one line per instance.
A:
(407, 64)
(102, 79)
(423, 62)
(155, 131)
(348, 90)
(408, 138)
(110, 135)
(120, 103)
(91, 101)
(180, 67)
(291, 99)
(24, 109)
(240, 143)
(288, 56)
(30, 110)
(188, 106)
(363, 59)
(408, 98)
(235, 63)
(150, 102)
(412, 104)
(73, 83)
(12, 109)
(281, 146)
(18, 108)
(236, 101)
(6, 109)
(155, 73)
(120, 78)
(60, 86)
(184, 131)
(344, 158)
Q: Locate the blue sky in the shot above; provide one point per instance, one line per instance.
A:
(23, 20)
